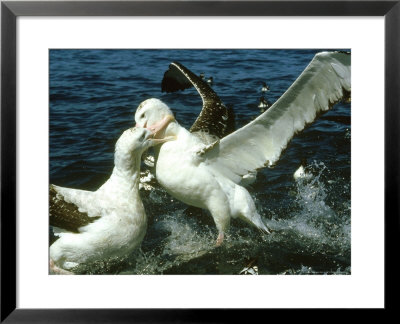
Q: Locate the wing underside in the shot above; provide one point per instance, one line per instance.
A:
(325, 81)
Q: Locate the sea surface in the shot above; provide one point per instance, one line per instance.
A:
(93, 97)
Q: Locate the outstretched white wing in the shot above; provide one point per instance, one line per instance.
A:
(325, 81)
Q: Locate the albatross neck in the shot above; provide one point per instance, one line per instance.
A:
(173, 129)
(127, 167)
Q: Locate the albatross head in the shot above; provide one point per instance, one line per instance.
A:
(131, 145)
(154, 115)
(136, 140)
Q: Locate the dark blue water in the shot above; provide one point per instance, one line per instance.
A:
(93, 97)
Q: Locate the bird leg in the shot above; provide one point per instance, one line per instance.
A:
(56, 270)
(220, 239)
(218, 205)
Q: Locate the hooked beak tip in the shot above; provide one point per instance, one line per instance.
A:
(161, 125)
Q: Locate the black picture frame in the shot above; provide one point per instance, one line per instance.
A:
(10, 10)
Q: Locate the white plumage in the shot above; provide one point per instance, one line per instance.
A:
(262, 103)
(265, 87)
(208, 176)
(108, 222)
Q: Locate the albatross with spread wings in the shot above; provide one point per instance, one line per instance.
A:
(208, 175)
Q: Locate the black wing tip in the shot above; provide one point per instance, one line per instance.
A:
(170, 82)
(169, 85)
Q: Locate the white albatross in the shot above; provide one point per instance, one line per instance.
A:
(208, 176)
(108, 222)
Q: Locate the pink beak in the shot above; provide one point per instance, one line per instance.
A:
(160, 126)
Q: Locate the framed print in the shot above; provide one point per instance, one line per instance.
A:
(94, 64)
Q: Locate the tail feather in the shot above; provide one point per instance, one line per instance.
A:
(245, 208)
(260, 225)
(255, 220)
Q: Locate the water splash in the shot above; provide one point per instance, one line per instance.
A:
(314, 227)
(311, 235)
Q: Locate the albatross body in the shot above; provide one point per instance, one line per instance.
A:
(108, 222)
(209, 175)
(181, 169)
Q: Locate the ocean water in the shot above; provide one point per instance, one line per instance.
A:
(93, 97)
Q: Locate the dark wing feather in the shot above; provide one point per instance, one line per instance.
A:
(174, 80)
(66, 215)
(215, 118)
